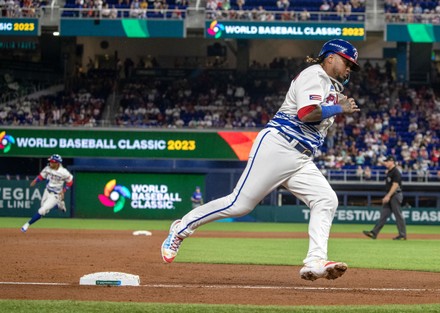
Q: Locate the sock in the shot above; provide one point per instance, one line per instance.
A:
(35, 218)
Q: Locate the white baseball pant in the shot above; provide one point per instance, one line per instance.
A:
(48, 202)
(273, 161)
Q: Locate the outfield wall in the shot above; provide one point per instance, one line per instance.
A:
(167, 196)
(18, 199)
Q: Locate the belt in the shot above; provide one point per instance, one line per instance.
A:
(298, 146)
(52, 192)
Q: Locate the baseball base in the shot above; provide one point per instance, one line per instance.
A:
(110, 279)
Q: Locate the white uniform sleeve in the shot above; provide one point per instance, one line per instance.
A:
(310, 89)
(45, 172)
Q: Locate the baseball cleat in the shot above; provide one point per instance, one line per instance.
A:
(25, 227)
(171, 245)
(62, 206)
(323, 269)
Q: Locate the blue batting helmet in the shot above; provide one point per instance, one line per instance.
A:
(342, 48)
(55, 158)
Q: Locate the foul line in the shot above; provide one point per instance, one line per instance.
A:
(241, 287)
(32, 283)
(288, 288)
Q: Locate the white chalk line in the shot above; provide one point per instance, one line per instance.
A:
(32, 283)
(290, 288)
(298, 288)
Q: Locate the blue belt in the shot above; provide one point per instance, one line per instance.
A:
(298, 146)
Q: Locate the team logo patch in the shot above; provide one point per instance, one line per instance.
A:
(315, 97)
(6, 141)
(215, 29)
(114, 196)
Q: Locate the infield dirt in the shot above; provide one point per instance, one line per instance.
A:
(61, 257)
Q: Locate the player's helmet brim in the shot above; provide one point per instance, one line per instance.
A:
(342, 48)
(356, 67)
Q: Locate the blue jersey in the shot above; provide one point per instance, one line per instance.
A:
(196, 197)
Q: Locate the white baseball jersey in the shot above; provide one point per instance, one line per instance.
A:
(275, 160)
(311, 87)
(56, 178)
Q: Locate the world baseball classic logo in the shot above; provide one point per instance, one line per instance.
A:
(6, 141)
(215, 29)
(114, 196)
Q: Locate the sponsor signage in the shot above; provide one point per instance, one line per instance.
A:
(130, 28)
(282, 30)
(17, 198)
(19, 27)
(126, 144)
(134, 195)
(413, 33)
(345, 215)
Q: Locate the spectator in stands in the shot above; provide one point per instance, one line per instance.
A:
(347, 9)
(143, 6)
(325, 6)
(305, 15)
(240, 4)
(113, 12)
(135, 9)
(340, 10)
(182, 3)
(355, 4)
(283, 4)
(177, 13)
(105, 12)
(211, 7)
(367, 173)
(418, 11)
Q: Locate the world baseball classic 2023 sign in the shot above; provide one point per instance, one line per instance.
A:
(224, 145)
(278, 30)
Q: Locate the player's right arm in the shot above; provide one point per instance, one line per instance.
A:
(36, 180)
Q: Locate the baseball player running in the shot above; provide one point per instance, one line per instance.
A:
(282, 154)
(58, 181)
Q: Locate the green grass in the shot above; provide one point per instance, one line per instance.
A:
(361, 253)
(77, 223)
(38, 306)
(417, 255)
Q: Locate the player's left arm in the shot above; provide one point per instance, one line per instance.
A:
(317, 113)
(67, 185)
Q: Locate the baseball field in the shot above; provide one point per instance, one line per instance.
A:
(224, 267)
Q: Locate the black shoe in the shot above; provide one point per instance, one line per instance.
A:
(399, 238)
(369, 234)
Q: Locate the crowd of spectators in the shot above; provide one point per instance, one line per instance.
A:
(112, 9)
(400, 11)
(286, 10)
(20, 8)
(395, 118)
(82, 106)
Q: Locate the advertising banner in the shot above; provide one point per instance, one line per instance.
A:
(126, 144)
(344, 215)
(17, 199)
(134, 195)
(284, 30)
(130, 28)
(413, 33)
(19, 27)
